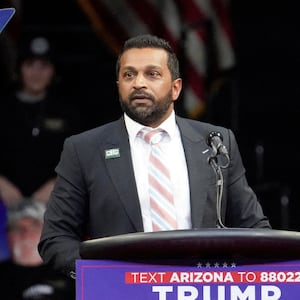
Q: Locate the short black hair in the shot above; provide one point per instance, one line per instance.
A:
(151, 41)
(36, 47)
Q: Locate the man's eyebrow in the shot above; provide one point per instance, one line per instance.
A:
(128, 68)
(148, 68)
(154, 67)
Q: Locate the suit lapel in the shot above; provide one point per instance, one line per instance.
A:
(196, 152)
(120, 169)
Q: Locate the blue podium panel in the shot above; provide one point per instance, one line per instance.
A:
(210, 280)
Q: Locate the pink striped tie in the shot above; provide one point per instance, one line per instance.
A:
(160, 187)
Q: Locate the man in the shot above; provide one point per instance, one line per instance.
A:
(24, 276)
(102, 184)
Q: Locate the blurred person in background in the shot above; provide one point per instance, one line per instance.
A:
(35, 120)
(24, 276)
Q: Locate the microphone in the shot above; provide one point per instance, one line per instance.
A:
(215, 141)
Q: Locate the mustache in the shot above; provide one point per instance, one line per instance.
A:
(140, 94)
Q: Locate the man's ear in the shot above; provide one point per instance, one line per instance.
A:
(176, 88)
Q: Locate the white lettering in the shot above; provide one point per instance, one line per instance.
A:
(201, 277)
(221, 292)
(237, 294)
(174, 278)
(270, 292)
(162, 291)
(187, 293)
(247, 276)
(206, 293)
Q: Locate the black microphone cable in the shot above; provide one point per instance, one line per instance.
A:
(220, 184)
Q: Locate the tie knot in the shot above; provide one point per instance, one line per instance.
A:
(154, 136)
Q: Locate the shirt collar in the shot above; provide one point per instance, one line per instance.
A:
(133, 127)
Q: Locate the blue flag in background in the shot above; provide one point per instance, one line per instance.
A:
(5, 15)
(4, 251)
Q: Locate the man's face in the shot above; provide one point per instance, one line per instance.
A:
(23, 238)
(37, 75)
(146, 90)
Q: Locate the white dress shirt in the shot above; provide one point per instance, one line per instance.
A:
(140, 151)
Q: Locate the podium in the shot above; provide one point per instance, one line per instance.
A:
(206, 264)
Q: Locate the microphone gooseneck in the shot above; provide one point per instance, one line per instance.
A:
(215, 141)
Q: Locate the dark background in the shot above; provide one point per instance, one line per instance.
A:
(259, 102)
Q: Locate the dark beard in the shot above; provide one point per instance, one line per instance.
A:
(147, 115)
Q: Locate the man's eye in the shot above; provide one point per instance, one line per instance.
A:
(128, 74)
(154, 74)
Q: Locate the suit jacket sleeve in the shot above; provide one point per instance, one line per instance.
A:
(66, 212)
(94, 196)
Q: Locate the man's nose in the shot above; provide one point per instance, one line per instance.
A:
(139, 81)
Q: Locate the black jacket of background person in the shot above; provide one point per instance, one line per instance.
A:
(34, 282)
(32, 136)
